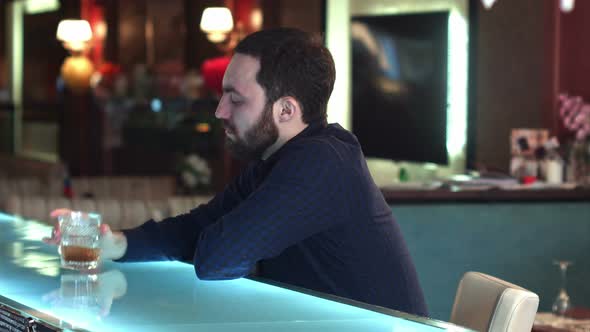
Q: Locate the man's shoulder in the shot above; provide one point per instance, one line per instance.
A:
(321, 147)
(331, 138)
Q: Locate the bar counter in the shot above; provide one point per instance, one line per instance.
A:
(395, 195)
(165, 296)
(514, 234)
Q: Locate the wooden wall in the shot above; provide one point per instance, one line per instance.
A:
(511, 71)
(307, 15)
(303, 14)
(527, 53)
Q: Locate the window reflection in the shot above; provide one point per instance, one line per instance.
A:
(30, 258)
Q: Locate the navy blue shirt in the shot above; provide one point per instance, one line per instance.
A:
(310, 215)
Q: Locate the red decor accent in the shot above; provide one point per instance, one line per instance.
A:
(108, 72)
(109, 69)
(93, 12)
(529, 179)
(242, 11)
(213, 71)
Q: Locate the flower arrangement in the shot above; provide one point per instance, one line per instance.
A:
(195, 174)
(575, 114)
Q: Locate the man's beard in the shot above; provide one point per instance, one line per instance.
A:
(257, 139)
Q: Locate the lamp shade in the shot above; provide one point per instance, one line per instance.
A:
(488, 3)
(217, 22)
(567, 5)
(74, 33)
(76, 72)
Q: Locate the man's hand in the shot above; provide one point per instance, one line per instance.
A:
(112, 244)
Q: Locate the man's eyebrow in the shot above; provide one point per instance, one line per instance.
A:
(229, 88)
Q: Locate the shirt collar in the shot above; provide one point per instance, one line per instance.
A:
(312, 129)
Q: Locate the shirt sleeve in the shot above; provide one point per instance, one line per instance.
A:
(301, 196)
(175, 238)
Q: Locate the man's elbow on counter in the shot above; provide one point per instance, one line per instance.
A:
(205, 272)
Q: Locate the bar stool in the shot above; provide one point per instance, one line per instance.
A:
(486, 303)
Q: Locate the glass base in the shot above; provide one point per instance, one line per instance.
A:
(76, 265)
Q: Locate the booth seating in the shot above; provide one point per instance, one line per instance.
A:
(124, 187)
(118, 213)
(104, 187)
(31, 189)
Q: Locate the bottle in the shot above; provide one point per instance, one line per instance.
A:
(403, 175)
(554, 170)
(553, 164)
(67, 185)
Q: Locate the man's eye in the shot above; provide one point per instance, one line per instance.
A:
(235, 101)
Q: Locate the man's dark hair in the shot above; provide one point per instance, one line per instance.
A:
(293, 63)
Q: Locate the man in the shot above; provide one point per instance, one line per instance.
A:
(306, 210)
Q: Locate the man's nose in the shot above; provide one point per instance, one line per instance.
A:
(221, 112)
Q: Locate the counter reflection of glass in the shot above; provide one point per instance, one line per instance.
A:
(80, 236)
(88, 295)
(562, 303)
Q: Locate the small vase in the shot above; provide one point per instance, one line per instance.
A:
(579, 163)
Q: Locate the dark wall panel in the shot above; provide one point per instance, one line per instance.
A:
(575, 50)
(132, 42)
(510, 76)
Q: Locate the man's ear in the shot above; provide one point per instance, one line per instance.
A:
(288, 109)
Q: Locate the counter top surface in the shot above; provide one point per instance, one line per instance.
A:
(417, 194)
(167, 296)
